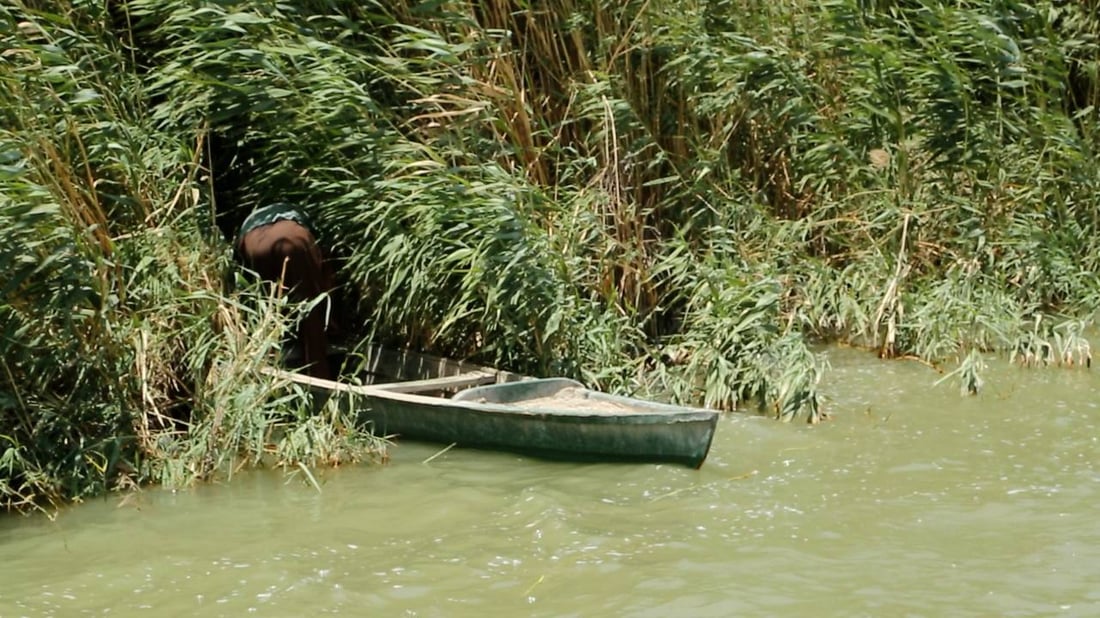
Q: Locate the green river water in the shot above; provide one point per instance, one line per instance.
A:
(912, 501)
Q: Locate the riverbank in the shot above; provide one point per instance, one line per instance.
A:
(655, 199)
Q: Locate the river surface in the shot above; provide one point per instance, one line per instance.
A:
(912, 501)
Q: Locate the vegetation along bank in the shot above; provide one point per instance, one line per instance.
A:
(667, 199)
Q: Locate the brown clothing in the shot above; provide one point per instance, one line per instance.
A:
(285, 252)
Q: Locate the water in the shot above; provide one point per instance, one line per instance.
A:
(913, 501)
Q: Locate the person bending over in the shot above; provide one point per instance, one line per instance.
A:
(276, 242)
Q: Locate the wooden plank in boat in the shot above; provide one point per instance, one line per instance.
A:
(462, 380)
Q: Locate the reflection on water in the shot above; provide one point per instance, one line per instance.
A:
(912, 501)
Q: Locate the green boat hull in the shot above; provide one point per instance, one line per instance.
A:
(488, 417)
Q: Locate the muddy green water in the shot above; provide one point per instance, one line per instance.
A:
(913, 501)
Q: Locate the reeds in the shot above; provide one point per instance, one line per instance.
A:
(667, 199)
(127, 359)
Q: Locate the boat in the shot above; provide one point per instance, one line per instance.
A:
(407, 395)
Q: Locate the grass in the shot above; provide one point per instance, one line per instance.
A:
(671, 200)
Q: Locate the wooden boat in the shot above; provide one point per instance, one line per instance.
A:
(556, 417)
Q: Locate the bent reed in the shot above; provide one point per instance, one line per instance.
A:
(662, 199)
